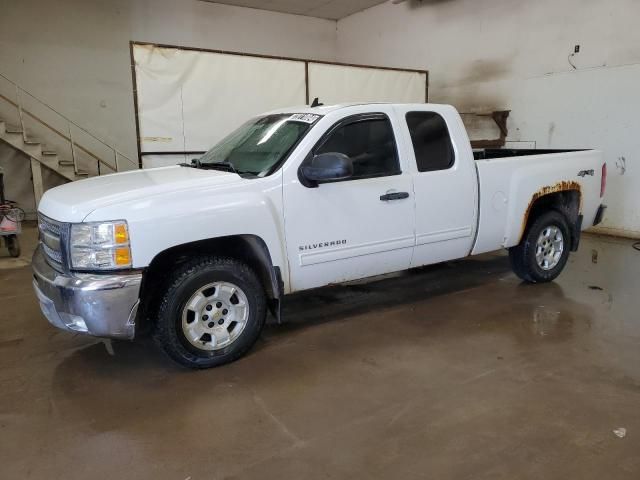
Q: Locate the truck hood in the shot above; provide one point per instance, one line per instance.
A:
(74, 201)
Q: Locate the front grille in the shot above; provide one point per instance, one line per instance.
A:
(54, 255)
(52, 238)
(48, 225)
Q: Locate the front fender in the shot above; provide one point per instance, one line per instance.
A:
(160, 222)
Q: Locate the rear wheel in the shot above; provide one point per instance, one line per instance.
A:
(544, 250)
(211, 313)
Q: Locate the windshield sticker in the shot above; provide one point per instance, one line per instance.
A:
(304, 117)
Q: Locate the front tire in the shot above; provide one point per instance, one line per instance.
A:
(211, 313)
(544, 250)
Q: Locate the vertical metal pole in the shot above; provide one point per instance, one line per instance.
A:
(73, 150)
(134, 82)
(115, 156)
(306, 82)
(2, 199)
(426, 87)
(36, 174)
(24, 131)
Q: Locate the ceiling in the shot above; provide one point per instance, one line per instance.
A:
(329, 9)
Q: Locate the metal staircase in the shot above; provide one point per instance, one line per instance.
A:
(52, 140)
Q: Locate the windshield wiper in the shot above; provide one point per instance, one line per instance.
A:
(196, 163)
(220, 165)
(224, 165)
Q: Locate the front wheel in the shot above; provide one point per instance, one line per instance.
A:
(211, 313)
(544, 250)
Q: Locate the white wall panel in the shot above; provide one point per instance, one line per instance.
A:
(342, 84)
(188, 100)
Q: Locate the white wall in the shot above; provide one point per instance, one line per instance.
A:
(512, 54)
(74, 54)
(16, 167)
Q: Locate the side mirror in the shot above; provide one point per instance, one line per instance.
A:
(326, 167)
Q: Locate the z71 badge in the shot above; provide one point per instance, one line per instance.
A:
(584, 173)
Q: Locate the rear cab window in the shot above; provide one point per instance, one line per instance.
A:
(431, 141)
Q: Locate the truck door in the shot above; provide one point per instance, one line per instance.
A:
(358, 227)
(445, 183)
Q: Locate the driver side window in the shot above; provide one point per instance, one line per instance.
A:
(369, 143)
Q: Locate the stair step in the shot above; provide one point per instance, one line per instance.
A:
(32, 141)
(65, 163)
(47, 153)
(12, 129)
(82, 173)
(65, 171)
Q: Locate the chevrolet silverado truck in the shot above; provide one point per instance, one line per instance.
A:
(196, 254)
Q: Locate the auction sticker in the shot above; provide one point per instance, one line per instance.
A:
(304, 117)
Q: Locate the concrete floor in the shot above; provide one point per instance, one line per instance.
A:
(455, 371)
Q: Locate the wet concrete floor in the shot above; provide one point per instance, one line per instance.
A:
(453, 371)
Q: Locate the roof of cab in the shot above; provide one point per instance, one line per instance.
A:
(325, 109)
(321, 110)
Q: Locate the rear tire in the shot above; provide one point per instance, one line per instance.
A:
(544, 250)
(211, 313)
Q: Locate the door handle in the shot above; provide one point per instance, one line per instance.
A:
(394, 196)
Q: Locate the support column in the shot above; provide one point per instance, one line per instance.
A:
(36, 175)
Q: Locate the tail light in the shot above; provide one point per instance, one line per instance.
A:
(603, 180)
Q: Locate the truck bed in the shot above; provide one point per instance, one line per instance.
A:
(489, 153)
(510, 181)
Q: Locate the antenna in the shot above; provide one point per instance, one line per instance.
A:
(316, 103)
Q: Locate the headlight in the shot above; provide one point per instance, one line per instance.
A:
(100, 246)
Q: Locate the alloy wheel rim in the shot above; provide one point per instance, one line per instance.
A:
(215, 316)
(549, 247)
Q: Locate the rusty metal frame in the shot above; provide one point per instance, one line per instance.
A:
(306, 62)
(500, 117)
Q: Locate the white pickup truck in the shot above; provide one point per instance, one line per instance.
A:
(293, 200)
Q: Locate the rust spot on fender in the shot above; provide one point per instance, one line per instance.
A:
(564, 186)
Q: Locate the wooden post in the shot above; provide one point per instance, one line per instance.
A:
(36, 175)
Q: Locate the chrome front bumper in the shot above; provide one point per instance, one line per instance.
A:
(93, 304)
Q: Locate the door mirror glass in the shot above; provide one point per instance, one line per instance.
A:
(326, 167)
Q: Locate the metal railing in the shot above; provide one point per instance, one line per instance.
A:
(74, 146)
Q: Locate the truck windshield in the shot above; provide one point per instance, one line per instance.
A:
(259, 146)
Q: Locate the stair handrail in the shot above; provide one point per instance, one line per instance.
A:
(116, 152)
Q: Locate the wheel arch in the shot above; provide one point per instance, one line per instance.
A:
(565, 198)
(250, 249)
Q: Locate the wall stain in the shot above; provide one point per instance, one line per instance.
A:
(486, 71)
(550, 132)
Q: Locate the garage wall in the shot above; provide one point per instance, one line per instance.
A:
(514, 54)
(339, 84)
(16, 167)
(74, 54)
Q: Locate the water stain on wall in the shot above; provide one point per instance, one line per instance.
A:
(550, 132)
(486, 70)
